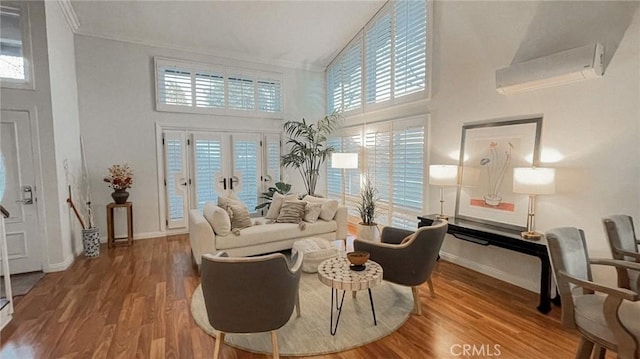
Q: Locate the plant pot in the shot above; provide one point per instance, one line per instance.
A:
(91, 242)
(368, 232)
(492, 200)
(120, 196)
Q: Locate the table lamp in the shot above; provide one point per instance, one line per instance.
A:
(533, 181)
(344, 161)
(443, 175)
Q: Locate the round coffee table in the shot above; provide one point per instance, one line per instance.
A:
(336, 274)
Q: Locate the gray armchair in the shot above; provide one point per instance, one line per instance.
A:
(607, 321)
(250, 295)
(407, 258)
(624, 246)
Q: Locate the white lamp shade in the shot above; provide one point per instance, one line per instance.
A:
(443, 175)
(534, 180)
(344, 160)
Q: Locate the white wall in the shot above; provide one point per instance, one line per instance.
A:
(594, 124)
(66, 125)
(118, 117)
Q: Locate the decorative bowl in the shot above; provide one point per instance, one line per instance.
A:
(358, 258)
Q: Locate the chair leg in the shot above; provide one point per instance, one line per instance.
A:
(416, 300)
(219, 341)
(599, 352)
(584, 349)
(433, 292)
(298, 304)
(274, 343)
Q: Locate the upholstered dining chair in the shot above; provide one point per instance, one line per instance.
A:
(250, 295)
(610, 321)
(407, 258)
(624, 246)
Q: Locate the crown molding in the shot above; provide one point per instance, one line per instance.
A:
(218, 54)
(69, 15)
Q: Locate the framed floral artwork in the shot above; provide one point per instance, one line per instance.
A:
(488, 153)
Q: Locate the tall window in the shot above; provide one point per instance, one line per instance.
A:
(394, 158)
(201, 88)
(14, 45)
(344, 80)
(394, 64)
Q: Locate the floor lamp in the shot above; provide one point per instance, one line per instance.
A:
(533, 181)
(443, 175)
(344, 161)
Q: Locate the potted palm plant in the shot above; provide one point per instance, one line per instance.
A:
(308, 147)
(368, 228)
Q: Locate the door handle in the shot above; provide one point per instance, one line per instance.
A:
(231, 180)
(26, 191)
(224, 183)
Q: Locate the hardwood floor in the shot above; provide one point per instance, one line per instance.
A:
(133, 302)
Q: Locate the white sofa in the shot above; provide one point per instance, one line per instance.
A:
(262, 238)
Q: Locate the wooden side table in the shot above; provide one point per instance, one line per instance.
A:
(111, 238)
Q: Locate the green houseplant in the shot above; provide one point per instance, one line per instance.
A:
(280, 187)
(368, 229)
(308, 147)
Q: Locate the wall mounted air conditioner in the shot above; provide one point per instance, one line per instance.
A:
(561, 68)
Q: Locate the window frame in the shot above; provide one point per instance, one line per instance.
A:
(195, 67)
(27, 52)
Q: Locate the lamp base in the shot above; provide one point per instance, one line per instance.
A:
(442, 216)
(534, 236)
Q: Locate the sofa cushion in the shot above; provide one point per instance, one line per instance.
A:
(312, 212)
(329, 206)
(238, 213)
(273, 232)
(276, 204)
(217, 218)
(291, 212)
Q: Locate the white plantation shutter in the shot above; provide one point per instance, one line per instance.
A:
(334, 88)
(334, 175)
(272, 157)
(241, 91)
(209, 90)
(175, 158)
(352, 77)
(407, 174)
(208, 153)
(269, 99)
(247, 169)
(378, 157)
(175, 86)
(378, 59)
(410, 46)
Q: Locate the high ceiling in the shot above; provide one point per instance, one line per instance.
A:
(295, 33)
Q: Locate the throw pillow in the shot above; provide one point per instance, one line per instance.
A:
(276, 204)
(238, 213)
(291, 212)
(217, 218)
(329, 207)
(312, 212)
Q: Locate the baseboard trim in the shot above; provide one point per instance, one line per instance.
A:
(490, 271)
(146, 235)
(62, 266)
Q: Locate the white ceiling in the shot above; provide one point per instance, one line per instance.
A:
(294, 33)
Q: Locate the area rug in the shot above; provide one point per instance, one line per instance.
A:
(309, 334)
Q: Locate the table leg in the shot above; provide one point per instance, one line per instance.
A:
(333, 329)
(373, 310)
(545, 284)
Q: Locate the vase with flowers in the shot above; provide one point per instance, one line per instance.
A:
(120, 178)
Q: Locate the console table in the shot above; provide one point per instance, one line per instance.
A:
(487, 235)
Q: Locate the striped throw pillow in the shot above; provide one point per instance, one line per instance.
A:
(291, 212)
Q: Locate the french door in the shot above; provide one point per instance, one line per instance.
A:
(200, 165)
(18, 192)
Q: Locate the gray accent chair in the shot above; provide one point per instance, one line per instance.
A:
(407, 258)
(624, 246)
(250, 294)
(610, 321)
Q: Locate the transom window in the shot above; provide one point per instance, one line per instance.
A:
(201, 88)
(15, 51)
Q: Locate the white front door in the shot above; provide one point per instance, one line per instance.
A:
(18, 192)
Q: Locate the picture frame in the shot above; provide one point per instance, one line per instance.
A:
(488, 153)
